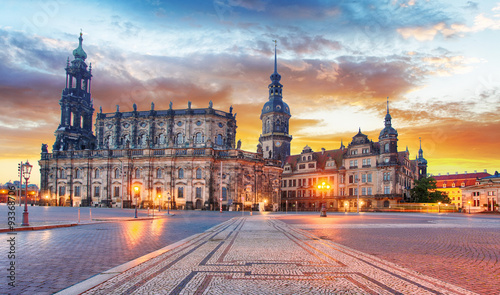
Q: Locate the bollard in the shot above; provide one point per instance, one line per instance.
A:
(90, 213)
(323, 211)
(78, 215)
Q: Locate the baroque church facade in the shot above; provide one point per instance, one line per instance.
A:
(375, 173)
(182, 158)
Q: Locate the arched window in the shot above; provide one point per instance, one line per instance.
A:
(97, 173)
(268, 126)
(78, 173)
(198, 137)
(158, 173)
(219, 139)
(61, 173)
(386, 148)
(179, 139)
(181, 173)
(198, 173)
(117, 173)
(278, 126)
(137, 173)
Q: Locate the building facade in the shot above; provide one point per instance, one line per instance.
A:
(183, 158)
(483, 195)
(375, 173)
(453, 184)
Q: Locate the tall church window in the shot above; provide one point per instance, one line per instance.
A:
(96, 191)
(117, 173)
(62, 190)
(97, 173)
(61, 173)
(181, 173)
(179, 138)
(117, 191)
(224, 194)
(137, 173)
(198, 138)
(198, 173)
(78, 191)
(218, 141)
(158, 173)
(78, 173)
(180, 192)
(198, 192)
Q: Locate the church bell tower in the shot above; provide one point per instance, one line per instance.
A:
(75, 130)
(275, 139)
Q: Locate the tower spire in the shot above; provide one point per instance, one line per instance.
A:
(388, 105)
(275, 57)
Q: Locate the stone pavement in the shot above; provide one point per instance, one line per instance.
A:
(260, 255)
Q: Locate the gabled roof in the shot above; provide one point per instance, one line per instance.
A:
(319, 157)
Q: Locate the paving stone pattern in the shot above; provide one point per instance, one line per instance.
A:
(456, 249)
(262, 255)
(50, 260)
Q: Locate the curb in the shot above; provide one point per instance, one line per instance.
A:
(4, 230)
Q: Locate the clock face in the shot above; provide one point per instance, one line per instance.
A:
(278, 143)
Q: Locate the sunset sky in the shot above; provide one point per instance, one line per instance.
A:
(437, 61)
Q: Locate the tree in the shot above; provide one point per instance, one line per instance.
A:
(425, 191)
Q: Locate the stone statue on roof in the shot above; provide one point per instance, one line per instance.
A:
(135, 107)
(152, 106)
(170, 105)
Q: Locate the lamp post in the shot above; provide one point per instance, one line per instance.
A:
(345, 207)
(26, 168)
(322, 187)
(168, 204)
(136, 189)
(439, 204)
(159, 202)
(469, 206)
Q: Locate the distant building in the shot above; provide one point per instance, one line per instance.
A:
(376, 171)
(483, 195)
(453, 184)
(183, 158)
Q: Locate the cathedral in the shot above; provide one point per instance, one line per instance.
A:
(184, 158)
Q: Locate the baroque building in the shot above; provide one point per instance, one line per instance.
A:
(376, 173)
(453, 184)
(183, 158)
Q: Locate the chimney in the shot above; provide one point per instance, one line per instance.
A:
(485, 170)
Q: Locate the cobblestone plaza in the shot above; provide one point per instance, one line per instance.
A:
(235, 253)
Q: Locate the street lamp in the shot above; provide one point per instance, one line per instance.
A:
(469, 206)
(439, 204)
(322, 187)
(26, 174)
(345, 207)
(159, 202)
(136, 189)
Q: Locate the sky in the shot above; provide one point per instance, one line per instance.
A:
(437, 61)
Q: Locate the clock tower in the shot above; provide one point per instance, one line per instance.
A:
(275, 116)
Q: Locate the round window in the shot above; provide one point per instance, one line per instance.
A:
(179, 123)
(198, 123)
(221, 125)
